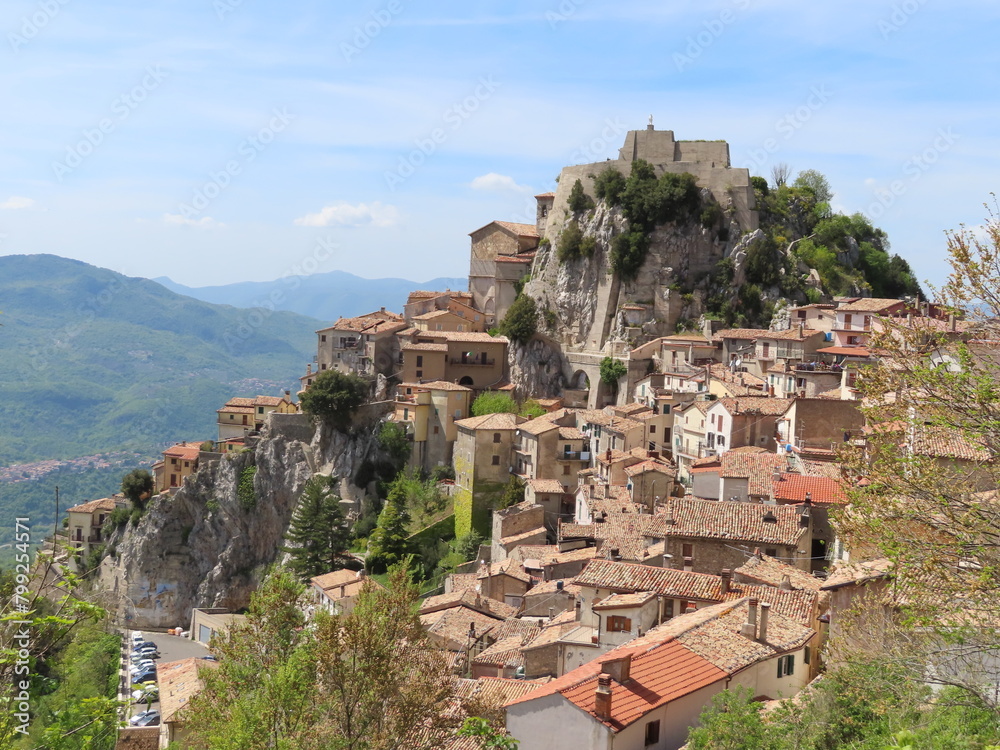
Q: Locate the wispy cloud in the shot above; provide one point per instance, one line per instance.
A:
(343, 214)
(498, 183)
(205, 222)
(16, 202)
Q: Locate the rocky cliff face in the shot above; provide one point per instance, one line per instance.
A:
(203, 547)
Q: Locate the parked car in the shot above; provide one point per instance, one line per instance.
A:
(137, 637)
(147, 694)
(145, 644)
(149, 718)
(208, 658)
(148, 651)
(142, 677)
(142, 666)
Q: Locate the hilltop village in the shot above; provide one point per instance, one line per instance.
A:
(657, 513)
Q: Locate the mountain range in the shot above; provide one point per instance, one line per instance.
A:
(326, 296)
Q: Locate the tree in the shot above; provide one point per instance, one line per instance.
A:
(335, 396)
(531, 409)
(579, 200)
(493, 402)
(393, 440)
(513, 493)
(137, 486)
(318, 533)
(262, 691)
(387, 545)
(490, 737)
(779, 174)
(521, 321)
(609, 186)
(760, 184)
(936, 401)
(612, 371)
(815, 181)
(383, 684)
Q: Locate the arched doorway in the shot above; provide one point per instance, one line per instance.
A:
(466, 381)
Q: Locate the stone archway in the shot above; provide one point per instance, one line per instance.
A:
(466, 381)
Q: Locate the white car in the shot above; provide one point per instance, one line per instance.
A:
(142, 666)
(137, 637)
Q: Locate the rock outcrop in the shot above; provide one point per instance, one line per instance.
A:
(203, 546)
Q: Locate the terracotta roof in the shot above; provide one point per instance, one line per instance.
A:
(548, 588)
(625, 601)
(425, 348)
(792, 334)
(857, 573)
(462, 336)
(626, 532)
(616, 424)
(235, 410)
(504, 653)
(453, 624)
(571, 433)
(178, 682)
(489, 422)
(522, 230)
(184, 451)
(538, 425)
(520, 258)
(494, 691)
(341, 584)
(741, 333)
(848, 351)
(793, 487)
(756, 405)
(269, 400)
(870, 304)
(105, 503)
(433, 314)
(757, 467)
(508, 567)
(463, 581)
(725, 520)
(546, 486)
(372, 323)
(772, 572)
(942, 442)
(650, 465)
(470, 600)
(138, 738)
(546, 195)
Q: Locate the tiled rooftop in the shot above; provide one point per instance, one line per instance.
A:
(726, 520)
(794, 487)
(105, 503)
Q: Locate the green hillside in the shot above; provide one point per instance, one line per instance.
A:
(94, 361)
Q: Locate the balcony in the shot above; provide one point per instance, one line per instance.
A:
(473, 362)
(573, 456)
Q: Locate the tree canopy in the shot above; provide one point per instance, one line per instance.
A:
(318, 534)
(493, 402)
(334, 397)
(137, 486)
(521, 321)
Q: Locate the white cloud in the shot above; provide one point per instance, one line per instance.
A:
(342, 214)
(15, 202)
(498, 182)
(205, 222)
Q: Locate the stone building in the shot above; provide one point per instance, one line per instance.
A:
(502, 253)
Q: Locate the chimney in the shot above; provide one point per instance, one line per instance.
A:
(727, 576)
(552, 613)
(619, 669)
(602, 697)
(786, 583)
(750, 626)
(691, 607)
(802, 330)
(765, 610)
(309, 368)
(559, 585)
(805, 516)
(288, 394)
(472, 631)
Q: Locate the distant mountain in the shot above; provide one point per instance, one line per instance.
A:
(94, 361)
(326, 296)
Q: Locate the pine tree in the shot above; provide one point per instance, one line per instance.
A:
(318, 533)
(387, 546)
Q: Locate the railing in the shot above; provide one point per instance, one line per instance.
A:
(817, 367)
(573, 456)
(474, 363)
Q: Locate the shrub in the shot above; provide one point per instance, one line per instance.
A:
(137, 486)
(760, 183)
(245, 492)
(119, 517)
(570, 240)
(212, 505)
(521, 321)
(711, 215)
(628, 253)
(493, 402)
(392, 439)
(579, 200)
(207, 447)
(609, 186)
(136, 516)
(335, 396)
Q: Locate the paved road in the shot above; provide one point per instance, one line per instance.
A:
(172, 648)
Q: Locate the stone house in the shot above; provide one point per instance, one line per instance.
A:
(472, 359)
(689, 435)
(647, 693)
(446, 320)
(482, 457)
(817, 427)
(611, 431)
(241, 416)
(422, 302)
(552, 495)
(549, 598)
(818, 317)
(86, 523)
(551, 447)
(429, 412)
(504, 581)
(856, 317)
(501, 254)
(179, 462)
(178, 682)
(337, 592)
(519, 525)
(651, 481)
(363, 345)
(740, 474)
(740, 422)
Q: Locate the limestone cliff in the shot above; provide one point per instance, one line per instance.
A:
(203, 546)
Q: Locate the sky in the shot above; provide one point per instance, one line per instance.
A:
(216, 141)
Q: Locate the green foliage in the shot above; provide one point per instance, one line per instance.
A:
(531, 409)
(334, 396)
(119, 517)
(245, 491)
(490, 737)
(513, 493)
(388, 545)
(136, 515)
(628, 253)
(573, 244)
(612, 370)
(810, 179)
(764, 259)
(521, 321)
(609, 186)
(211, 505)
(578, 199)
(649, 202)
(392, 439)
(493, 402)
(420, 498)
(711, 215)
(207, 447)
(137, 486)
(468, 545)
(760, 184)
(318, 535)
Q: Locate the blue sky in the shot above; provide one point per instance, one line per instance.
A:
(216, 141)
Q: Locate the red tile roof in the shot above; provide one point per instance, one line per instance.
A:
(726, 520)
(756, 405)
(870, 304)
(488, 422)
(793, 488)
(183, 451)
(105, 503)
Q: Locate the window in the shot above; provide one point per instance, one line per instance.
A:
(801, 314)
(437, 429)
(420, 360)
(687, 550)
(260, 409)
(323, 338)
(806, 655)
(771, 552)
(852, 340)
(652, 732)
(765, 350)
(496, 437)
(420, 373)
(652, 429)
(786, 665)
(496, 460)
(619, 624)
(566, 469)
